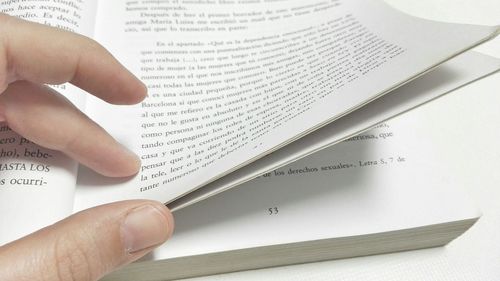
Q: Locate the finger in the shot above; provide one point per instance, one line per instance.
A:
(45, 117)
(87, 245)
(41, 54)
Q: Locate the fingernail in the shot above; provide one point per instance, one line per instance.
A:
(144, 228)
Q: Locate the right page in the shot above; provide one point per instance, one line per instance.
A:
(449, 76)
(371, 183)
(231, 82)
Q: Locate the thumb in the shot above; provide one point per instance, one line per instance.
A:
(89, 244)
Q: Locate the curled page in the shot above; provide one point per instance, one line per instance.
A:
(228, 87)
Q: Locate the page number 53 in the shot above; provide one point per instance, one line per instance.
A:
(273, 211)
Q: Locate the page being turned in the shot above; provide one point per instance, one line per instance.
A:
(231, 81)
(37, 184)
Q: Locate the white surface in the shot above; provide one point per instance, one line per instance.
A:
(346, 202)
(465, 132)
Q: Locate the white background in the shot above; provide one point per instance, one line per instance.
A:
(465, 127)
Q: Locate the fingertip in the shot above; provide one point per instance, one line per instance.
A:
(90, 243)
(131, 163)
(142, 91)
(167, 214)
(146, 227)
(125, 164)
(132, 91)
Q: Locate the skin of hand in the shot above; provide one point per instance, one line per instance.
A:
(92, 243)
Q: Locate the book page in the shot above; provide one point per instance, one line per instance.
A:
(230, 82)
(371, 183)
(447, 77)
(37, 185)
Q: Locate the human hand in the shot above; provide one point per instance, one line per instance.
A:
(94, 242)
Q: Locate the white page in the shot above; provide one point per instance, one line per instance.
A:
(37, 185)
(451, 75)
(369, 185)
(201, 146)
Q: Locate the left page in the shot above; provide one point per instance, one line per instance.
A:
(37, 185)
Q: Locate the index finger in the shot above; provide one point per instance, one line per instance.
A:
(45, 55)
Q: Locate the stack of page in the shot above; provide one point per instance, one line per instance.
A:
(242, 89)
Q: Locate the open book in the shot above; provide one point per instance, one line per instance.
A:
(352, 199)
(381, 191)
(235, 90)
(231, 83)
(227, 87)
